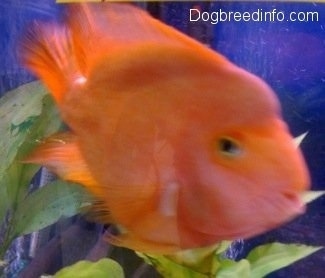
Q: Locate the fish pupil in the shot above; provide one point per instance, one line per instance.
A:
(228, 146)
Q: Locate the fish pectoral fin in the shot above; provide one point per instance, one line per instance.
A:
(100, 212)
(60, 153)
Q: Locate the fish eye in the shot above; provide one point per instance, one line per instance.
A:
(229, 147)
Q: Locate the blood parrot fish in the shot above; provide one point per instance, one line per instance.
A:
(180, 147)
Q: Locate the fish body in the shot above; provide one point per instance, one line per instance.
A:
(180, 147)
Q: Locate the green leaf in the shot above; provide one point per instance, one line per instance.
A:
(47, 205)
(84, 269)
(195, 263)
(4, 203)
(171, 269)
(264, 259)
(27, 114)
(233, 269)
(270, 257)
(207, 262)
(15, 106)
(200, 259)
(18, 111)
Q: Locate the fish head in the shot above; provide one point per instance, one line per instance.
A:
(243, 173)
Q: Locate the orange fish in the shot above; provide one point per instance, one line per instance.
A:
(181, 148)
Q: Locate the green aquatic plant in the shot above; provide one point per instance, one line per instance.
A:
(97, 269)
(261, 261)
(205, 263)
(27, 115)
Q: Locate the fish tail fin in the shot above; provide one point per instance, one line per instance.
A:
(48, 51)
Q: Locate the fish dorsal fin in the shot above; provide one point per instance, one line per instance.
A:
(99, 28)
(122, 23)
(63, 55)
